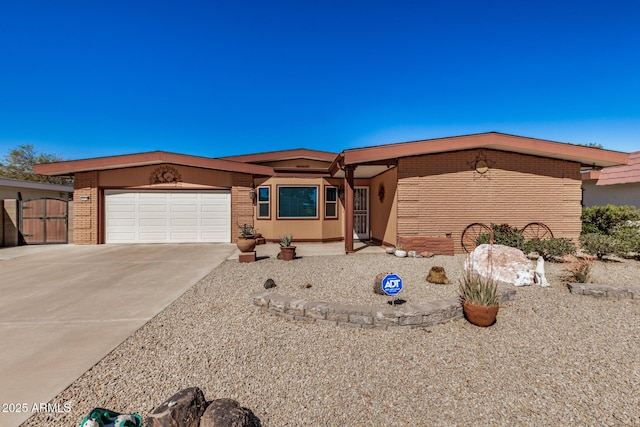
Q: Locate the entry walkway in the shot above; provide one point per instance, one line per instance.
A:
(65, 307)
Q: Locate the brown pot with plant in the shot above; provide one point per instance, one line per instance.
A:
(287, 252)
(479, 298)
(247, 239)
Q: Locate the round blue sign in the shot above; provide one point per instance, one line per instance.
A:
(392, 284)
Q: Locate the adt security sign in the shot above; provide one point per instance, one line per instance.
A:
(392, 284)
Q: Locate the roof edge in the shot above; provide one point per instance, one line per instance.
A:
(145, 159)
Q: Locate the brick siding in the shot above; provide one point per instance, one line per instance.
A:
(241, 203)
(442, 193)
(85, 213)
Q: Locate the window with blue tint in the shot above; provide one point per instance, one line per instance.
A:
(264, 202)
(297, 202)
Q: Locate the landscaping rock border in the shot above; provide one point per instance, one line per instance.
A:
(358, 316)
(605, 291)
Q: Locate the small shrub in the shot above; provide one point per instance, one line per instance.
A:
(503, 234)
(628, 238)
(551, 249)
(579, 269)
(600, 245)
(604, 219)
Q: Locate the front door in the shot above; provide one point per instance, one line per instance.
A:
(361, 213)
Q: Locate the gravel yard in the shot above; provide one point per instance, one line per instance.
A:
(552, 358)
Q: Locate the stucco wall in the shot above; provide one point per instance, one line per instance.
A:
(384, 207)
(442, 193)
(617, 194)
(312, 229)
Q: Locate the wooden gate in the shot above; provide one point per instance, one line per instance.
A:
(44, 221)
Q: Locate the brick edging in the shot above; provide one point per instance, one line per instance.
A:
(359, 316)
(605, 291)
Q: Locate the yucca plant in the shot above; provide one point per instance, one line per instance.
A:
(478, 290)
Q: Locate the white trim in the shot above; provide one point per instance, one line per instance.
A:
(332, 202)
(263, 202)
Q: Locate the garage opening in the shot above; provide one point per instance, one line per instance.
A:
(180, 216)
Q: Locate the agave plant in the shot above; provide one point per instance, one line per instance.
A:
(285, 241)
(478, 290)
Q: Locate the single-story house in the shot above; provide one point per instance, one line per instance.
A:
(615, 185)
(421, 195)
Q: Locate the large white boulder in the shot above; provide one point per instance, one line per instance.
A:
(500, 263)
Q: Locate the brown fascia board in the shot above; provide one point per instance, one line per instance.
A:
(151, 158)
(491, 140)
(336, 164)
(298, 153)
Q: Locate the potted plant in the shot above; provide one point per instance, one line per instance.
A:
(287, 252)
(247, 239)
(479, 298)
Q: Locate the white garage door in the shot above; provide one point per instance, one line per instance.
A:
(167, 217)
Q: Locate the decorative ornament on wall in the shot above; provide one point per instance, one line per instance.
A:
(165, 175)
(381, 192)
(481, 166)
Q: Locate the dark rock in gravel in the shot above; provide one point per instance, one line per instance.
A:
(377, 284)
(269, 284)
(228, 413)
(183, 409)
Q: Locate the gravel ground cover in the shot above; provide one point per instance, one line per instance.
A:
(552, 358)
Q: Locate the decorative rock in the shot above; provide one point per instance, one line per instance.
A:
(500, 263)
(228, 413)
(390, 250)
(438, 275)
(539, 277)
(183, 409)
(426, 254)
(269, 284)
(377, 284)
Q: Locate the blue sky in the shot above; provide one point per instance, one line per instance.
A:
(95, 78)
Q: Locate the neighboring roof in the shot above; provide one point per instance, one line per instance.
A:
(19, 183)
(270, 156)
(626, 174)
(151, 158)
(587, 156)
(590, 174)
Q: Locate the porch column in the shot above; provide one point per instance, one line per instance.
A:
(348, 208)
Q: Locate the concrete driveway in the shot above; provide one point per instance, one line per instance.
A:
(65, 307)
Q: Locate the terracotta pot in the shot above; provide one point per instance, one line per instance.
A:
(288, 252)
(246, 244)
(480, 315)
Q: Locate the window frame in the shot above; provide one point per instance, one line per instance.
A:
(259, 202)
(333, 202)
(317, 190)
